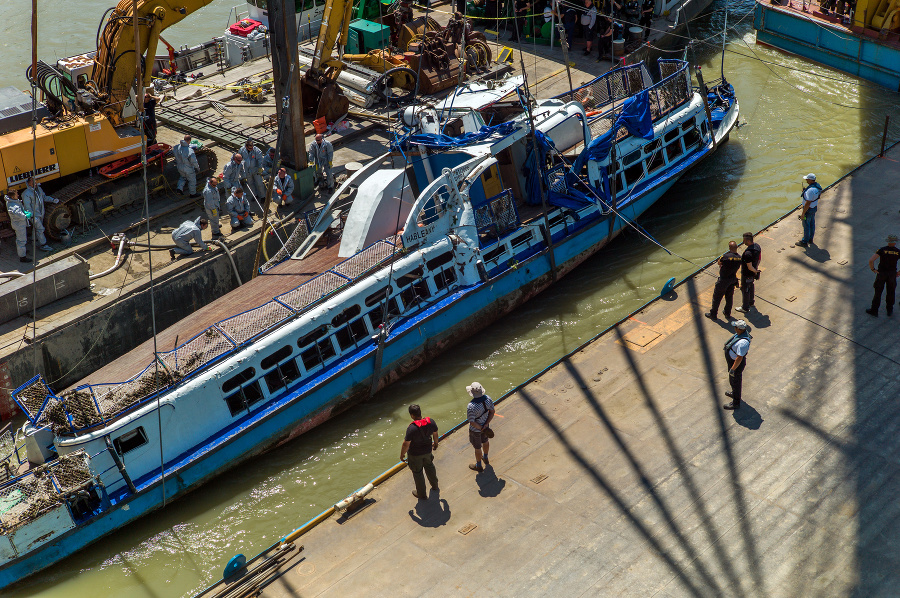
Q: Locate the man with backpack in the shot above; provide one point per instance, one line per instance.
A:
(736, 350)
(421, 438)
(479, 412)
(808, 210)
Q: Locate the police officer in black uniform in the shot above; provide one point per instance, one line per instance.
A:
(729, 264)
(886, 275)
(749, 272)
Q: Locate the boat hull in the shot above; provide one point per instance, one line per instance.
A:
(835, 47)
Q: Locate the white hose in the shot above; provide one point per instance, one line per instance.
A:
(228, 253)
(114, 266)
(11, 274)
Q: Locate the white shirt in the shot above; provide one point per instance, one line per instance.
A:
(740, 347)
(811, 194)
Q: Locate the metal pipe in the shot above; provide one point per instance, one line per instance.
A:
(114, 266)
(118, 461)
(887, 121)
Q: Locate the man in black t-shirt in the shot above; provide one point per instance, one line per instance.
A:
(886, 275)
(749, 272)
(729, 264)
(421, 438)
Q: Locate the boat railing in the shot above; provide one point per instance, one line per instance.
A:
(93, 404)
(496, 217)
(43, 489)
(672, 91)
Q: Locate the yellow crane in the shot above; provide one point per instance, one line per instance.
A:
(94, 124)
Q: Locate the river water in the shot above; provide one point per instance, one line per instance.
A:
(794, 122)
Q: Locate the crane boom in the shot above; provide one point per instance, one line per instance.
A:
(114, 64)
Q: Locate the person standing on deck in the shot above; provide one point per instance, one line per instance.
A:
(188, 167)
(749, 272)
(729, 264)
(321, 155)
(212, 203)
(34, 200)
(736, 350)
(807, 215)
(150, 102)
(421, 438)
(253, 164)
(479, 413)
(647, 8)
(18, 220)
(886, 275)
(588, 23)
(233, 173)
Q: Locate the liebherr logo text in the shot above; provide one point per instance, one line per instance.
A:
(23, 176)
(418, 234)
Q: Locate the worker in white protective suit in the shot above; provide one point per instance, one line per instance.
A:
(321, 155)
(268, 163)
(253, 168)
(283, 188)
(187, 232)
(239, 209)
(212, 203)
(34, 200)
(233, 173)
(188, 167)
(18, 220)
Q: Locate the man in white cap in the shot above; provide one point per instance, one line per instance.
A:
(810, 196)
(886, 275)
(736, 350)
(479, 412)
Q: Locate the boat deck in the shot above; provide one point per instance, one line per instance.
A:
(280, 279)
(618, 473)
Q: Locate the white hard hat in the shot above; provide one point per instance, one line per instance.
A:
(810, 177)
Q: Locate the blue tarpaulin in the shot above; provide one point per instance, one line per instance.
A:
(532, 170)
(635, 116)
(447, 141)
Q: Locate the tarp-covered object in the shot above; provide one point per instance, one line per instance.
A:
(635, 117)
(436, 141)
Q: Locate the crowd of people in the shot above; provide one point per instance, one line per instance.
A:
(595, 22)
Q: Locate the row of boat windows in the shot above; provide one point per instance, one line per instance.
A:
(654, 156)
(317, 347)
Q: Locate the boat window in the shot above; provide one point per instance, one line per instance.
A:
(376, 315)
(444, 278)
(351, 334)
(691, 139)
(130, 440)
(633, 174)
(241, 400)
(703, 128)
(652, 146)
(317, 354)
(236, 381)
(279, 355)
(523, 238)
(312, 336)
(435, 263)
(433, 208)
(493, 253)
(410, 276)
(283, 375)
(413, 294)
(669, 136)
(673, 150)
(378, 296)
(687, 125)
(346, 315)
(655, 162)
(632, 157)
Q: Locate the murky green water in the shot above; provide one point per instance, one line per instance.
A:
(793, 125)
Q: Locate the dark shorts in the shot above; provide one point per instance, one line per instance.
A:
(477, 438)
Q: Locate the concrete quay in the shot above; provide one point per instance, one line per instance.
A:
(617, 472)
